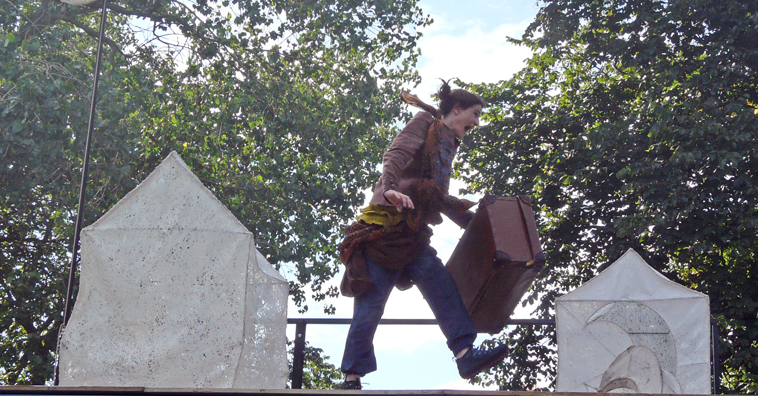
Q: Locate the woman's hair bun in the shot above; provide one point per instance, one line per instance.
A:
(444, 91)
(450, 97)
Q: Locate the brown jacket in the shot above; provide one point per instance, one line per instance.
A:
(403, 164)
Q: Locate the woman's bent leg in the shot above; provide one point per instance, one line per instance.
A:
(441, 293)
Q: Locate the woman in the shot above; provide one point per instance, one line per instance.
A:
(388, 246)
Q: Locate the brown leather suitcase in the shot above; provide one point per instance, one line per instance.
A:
(496, 260)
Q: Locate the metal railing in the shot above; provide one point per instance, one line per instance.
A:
(298, 358)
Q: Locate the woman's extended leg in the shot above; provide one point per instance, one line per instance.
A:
(368, 308)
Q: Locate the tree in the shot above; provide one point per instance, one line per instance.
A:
(318, 373)
(634, 125)
(281, 107)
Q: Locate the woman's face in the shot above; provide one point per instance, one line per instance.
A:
(463, 120)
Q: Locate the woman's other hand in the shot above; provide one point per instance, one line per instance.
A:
(398, 199)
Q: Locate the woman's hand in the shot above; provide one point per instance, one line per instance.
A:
(398, 199)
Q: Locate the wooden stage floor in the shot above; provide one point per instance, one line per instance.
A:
(132, 391)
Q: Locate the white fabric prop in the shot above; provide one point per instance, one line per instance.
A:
(630, 329)
(174, 294)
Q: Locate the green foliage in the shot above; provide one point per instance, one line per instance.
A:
(318, 373)
(281, 107)
(634, 126)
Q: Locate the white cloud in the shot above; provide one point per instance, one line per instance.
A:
(476, 56)
(408, 339)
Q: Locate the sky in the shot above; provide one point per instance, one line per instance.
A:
(467, 41)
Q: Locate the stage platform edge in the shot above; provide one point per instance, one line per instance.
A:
(94, 391)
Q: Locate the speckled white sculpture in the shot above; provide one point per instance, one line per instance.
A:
(630, 329)
(174, 294)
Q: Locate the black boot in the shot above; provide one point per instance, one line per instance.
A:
(354, 384)
(477, 360)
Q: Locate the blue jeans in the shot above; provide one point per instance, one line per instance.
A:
(439, 290)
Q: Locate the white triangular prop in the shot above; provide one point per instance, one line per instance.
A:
(632, 317)
(174, 294)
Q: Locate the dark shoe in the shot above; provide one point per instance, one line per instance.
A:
(478, 360)
(355, 384)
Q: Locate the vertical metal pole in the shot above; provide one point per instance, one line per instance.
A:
(298, 358)
(715, 351)
(83, 185)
